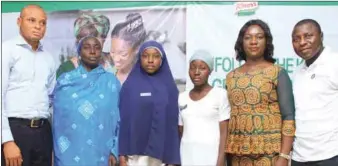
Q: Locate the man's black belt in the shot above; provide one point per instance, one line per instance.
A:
(33, 123)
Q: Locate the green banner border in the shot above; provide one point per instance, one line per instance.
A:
(16, 6)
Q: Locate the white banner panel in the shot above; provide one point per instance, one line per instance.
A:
(216, 27)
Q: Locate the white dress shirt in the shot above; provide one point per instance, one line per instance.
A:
(315, 90)
(28, 78)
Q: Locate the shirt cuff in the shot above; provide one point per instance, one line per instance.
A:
(6, 136)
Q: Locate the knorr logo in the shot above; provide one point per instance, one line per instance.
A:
(245, 8)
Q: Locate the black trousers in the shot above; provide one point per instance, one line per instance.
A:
(328, 162)
(36, 144)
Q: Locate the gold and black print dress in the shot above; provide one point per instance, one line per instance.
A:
(262, 110)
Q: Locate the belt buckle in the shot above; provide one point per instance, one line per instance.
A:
(33, 125)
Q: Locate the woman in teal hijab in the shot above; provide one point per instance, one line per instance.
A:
(88, 24)
(86, 116)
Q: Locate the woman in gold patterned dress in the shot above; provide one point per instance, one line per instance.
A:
(261, 128)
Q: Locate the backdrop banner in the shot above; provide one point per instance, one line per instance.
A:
(121, 31)
(216, 27)
(182, 29)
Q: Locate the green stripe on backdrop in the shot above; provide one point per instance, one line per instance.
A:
(77, 5)
(12, 6)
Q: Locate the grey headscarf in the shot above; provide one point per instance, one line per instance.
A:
(204, 56)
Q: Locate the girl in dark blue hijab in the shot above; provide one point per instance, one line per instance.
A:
(149, 111)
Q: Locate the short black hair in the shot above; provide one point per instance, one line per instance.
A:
(268, 52)
(309, 21)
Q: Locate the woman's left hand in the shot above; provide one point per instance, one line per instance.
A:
(282, 162)
(112, 160)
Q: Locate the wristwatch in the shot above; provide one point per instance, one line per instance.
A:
(288, 157)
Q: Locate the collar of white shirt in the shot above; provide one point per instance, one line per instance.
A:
(22, 42)
(321, 59)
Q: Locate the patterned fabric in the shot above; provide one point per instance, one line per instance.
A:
(100, 22)
(288, 128)
(256, 124)
(71, 65)
(86, 117)
(266, 160)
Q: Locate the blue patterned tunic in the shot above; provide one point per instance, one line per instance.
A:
(86, 117)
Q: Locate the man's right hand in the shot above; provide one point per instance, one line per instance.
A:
(12, 154)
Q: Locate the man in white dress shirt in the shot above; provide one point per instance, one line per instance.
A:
(315, 87)
(28, 78)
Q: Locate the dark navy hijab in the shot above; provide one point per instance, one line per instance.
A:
(149, 112)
